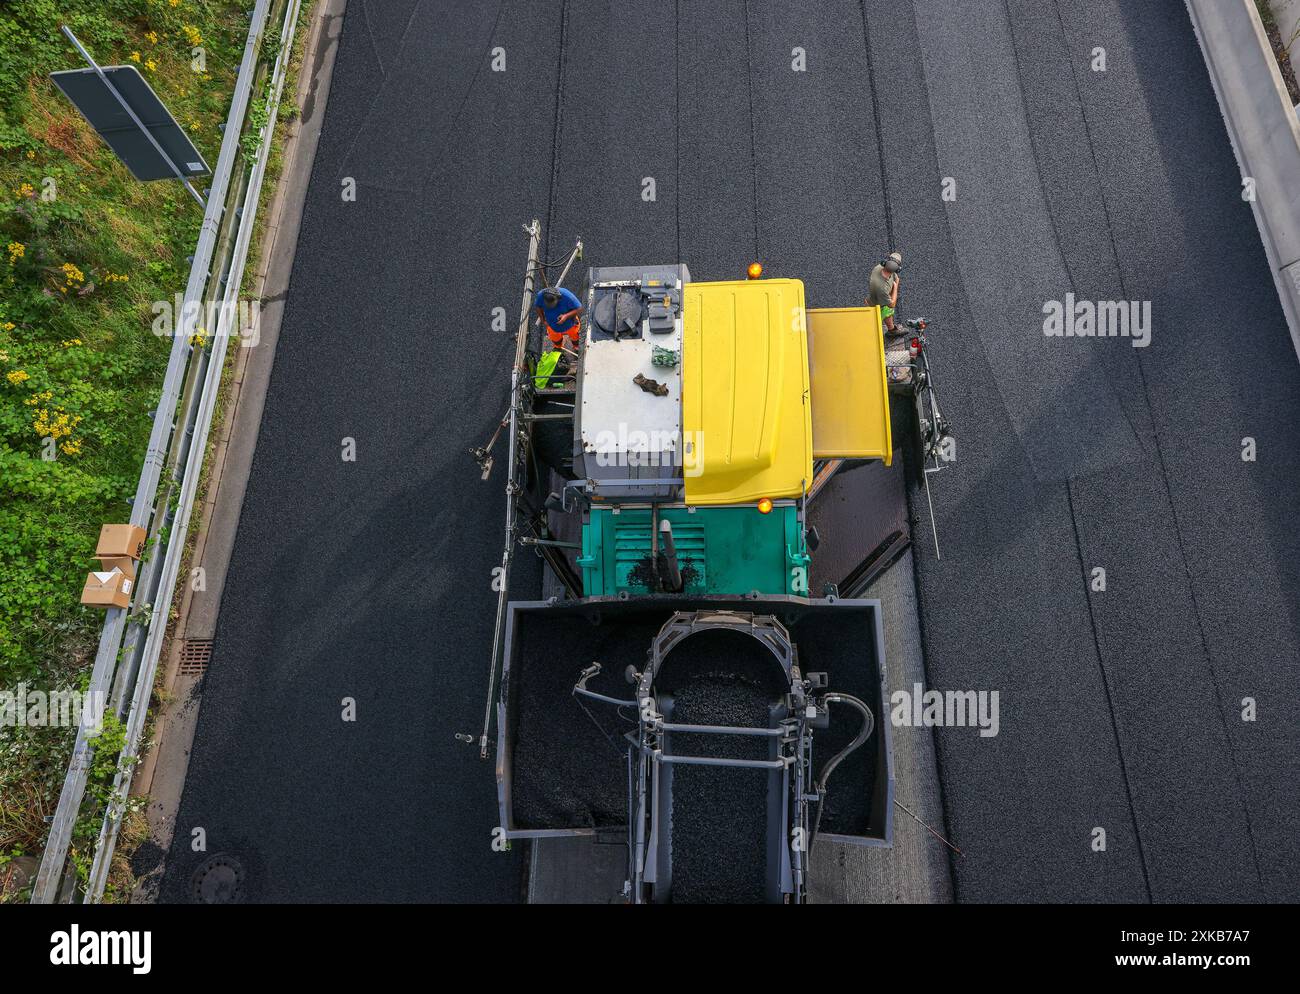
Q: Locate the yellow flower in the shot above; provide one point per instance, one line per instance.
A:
(72, 274)
(17, 376)
(174, 3)
(31, 155)
(8, 326)
(192, 35)
(16, 251)
(72, 448)
(152, 37)
(151, 65)
(59, 426)
(135, 56)
(24, 191)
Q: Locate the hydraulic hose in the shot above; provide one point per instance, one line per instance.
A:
(864, 733)
(581, 688)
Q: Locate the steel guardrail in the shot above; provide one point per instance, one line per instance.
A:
(128, 663)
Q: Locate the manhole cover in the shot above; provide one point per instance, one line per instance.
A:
(220, 880)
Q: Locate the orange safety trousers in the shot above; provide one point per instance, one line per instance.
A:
(557, 337)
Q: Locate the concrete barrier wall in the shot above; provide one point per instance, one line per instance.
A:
(1264, 130)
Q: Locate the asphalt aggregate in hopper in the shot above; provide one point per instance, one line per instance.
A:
(719, 814)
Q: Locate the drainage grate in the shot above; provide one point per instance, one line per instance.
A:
(195, 654)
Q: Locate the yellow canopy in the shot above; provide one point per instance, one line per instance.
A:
(850, 393)
(745, 405)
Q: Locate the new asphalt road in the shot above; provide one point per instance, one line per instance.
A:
(1086, 155)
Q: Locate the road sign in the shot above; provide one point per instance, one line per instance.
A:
(122, 107)
(99, 106)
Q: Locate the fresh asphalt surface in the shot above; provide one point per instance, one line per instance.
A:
(1120, 710)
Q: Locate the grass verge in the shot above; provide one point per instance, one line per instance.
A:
(85, 252)
(1282, 37)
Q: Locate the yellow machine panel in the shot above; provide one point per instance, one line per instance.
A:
(745, 407)
(850, 393)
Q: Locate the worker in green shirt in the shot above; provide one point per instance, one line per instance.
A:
(882, 289)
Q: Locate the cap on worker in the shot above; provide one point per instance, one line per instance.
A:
(894, 261)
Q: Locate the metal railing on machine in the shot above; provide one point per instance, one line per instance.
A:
(129, 647)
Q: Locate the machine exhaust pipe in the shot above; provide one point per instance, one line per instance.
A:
(672, 573)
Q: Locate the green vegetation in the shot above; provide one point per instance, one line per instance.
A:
(1282, 37)
(85, 250)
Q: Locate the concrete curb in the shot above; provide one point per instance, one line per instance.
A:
(1264, 131)
(162, 772)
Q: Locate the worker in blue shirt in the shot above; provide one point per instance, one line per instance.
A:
(561, 310)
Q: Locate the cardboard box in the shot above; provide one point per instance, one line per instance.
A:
(120, 541)
(109, 588)
(124, 563)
